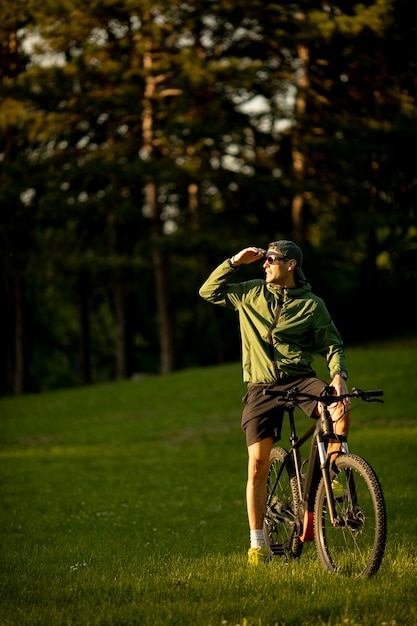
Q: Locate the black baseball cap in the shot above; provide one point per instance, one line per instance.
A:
(290, 250)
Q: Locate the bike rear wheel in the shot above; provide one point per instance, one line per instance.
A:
(355, 545)
(281, 526)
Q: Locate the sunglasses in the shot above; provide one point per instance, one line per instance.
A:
(271, 258)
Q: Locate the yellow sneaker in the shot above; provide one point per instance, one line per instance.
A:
(337, 489)
(257, 556)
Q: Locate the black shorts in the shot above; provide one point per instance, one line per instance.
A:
(262, 415)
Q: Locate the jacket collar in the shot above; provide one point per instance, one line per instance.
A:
(294, 292)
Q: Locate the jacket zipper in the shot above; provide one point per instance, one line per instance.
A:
(270, 330)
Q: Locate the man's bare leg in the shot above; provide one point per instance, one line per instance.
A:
(258, 466)
(341, 424)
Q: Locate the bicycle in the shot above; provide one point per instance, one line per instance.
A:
(335, 500)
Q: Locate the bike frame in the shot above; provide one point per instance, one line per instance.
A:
(347, 519)
(321, 432)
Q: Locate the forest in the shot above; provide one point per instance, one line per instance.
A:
(142, 142)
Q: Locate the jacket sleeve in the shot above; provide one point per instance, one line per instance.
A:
(218, 288)
(328, 342)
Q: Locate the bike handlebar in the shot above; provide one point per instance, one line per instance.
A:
(327, 395)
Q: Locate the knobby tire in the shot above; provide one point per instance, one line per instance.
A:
(355, 545)
(281, 524)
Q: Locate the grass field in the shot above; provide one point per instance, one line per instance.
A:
(124, 504)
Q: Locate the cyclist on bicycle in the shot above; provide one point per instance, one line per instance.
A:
(282, 325)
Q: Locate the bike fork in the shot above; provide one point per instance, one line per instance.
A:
(324, 466)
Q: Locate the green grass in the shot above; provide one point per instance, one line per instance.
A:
(124, 504)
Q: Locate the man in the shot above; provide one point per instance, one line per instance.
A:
(282, 326)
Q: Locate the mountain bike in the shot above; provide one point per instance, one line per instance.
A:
(333, 499)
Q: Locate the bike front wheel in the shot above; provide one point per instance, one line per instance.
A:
(281, 526)
(354, 544)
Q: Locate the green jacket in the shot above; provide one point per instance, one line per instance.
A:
(288, 326)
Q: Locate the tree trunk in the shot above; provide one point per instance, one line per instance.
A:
(84, 327)
(19, 374)
(121, 331)
(7, 334)
(166, 335)
(198, 225)
(158, 256)
(297, 209)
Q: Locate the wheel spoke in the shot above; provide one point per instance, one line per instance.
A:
(280, 524)
(355, 544)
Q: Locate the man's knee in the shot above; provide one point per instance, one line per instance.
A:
(257, 468)
(258, 459)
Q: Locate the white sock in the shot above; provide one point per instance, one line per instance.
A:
(256, 538)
